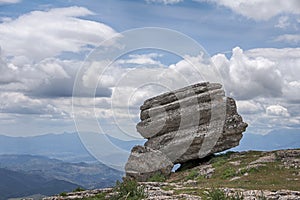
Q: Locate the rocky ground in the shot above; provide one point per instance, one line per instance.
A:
(253, 175)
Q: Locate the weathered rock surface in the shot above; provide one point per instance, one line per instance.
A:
(186, 124)
(145, 162)
(80, 195)
(154, 191)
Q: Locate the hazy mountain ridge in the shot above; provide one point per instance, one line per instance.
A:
(41, 156)
(66, 146)
(87, 175)
(275, 140)
(18, 184)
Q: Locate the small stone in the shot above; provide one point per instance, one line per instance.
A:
(190, 182)
(235, 163)
(235, 178)
(264, 159)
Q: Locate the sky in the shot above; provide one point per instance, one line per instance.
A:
(254, 46)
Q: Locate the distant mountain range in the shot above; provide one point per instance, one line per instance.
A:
(275, 140)
(66, 146)
(50, 160)
(24, 175)
(20, 184)
(87, 175)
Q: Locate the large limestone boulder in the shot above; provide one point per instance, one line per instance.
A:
(145, 162)
(190, 123)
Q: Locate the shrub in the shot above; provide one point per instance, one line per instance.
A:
(218, 194)
(97, 197)
(219, 160)
(228, 173)
(79, 189)
(214, 194)
(128, 189)
(63, 194)
(157, 177)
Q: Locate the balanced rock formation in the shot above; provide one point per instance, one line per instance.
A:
(186, 124)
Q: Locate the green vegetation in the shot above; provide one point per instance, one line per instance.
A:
(228, 173)
(192, 191)
(215, 194)
(158, 177)
(192, 175)
(233, 170)
(211, 194)
(63, 194)
(248, 170)
(79, 189)
(129, 190)
(220, 159)
(218, 194)
(97, 197)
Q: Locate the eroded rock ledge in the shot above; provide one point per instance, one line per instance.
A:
(183, 125)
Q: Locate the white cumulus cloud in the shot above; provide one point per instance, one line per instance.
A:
(287, 62)
(260, 9)
(289, 38)
(164, 1)
(42, 34)
(249, 107)
(7, 73)
(142, 59)
(9, 1)
(283, 22)
(265, 72)
(265, 83)
(277, 110)
(246, 77)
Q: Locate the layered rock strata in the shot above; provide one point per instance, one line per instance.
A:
(186, 124)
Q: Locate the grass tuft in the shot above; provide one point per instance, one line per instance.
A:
(157, 177)
(128, 189)
(192, 175)
(218, 194)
